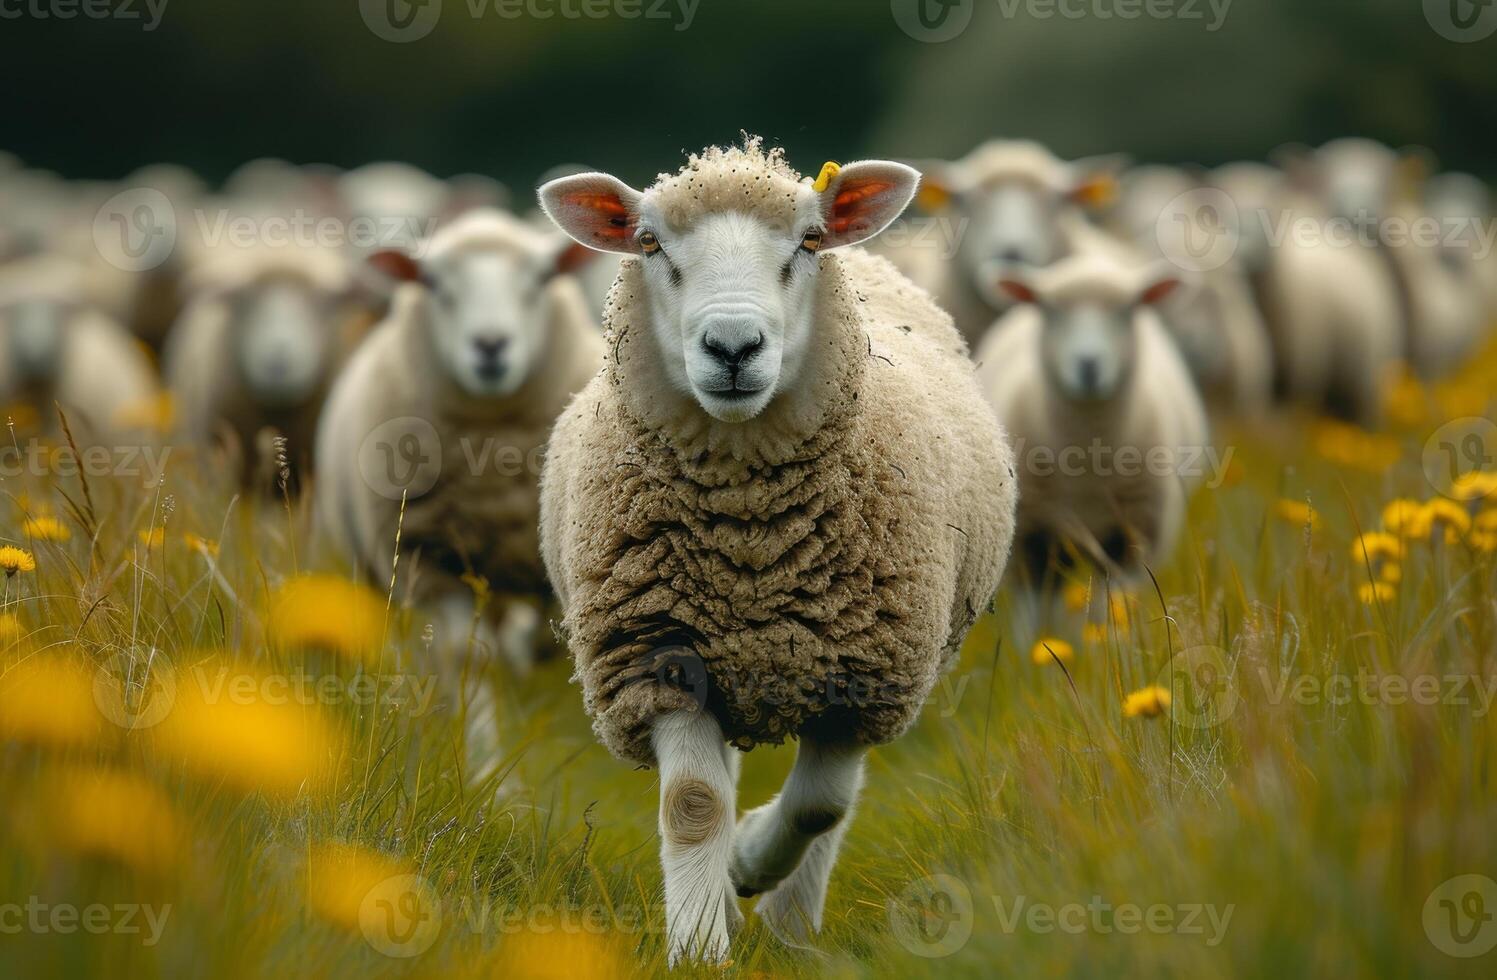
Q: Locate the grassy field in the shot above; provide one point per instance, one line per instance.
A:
(213, 761)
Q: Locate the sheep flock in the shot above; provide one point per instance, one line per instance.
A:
(806, 475)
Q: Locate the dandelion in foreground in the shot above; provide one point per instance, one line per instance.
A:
(1442, 513)
(1146, 702)
(43, 528)
(1042, 650)
(109, 814)
(1377, 546)
(153, 538)
(13, 559)
(253, 744)
(1484, 531)
(49, 700)
(380, 896)
(1476, 485)
(1076, 596)
(1373, 593)
(324, 612)
(1406, 518)
(562, 953)
(204, 545)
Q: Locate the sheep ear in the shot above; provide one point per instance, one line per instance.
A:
(940, 184)
(596, 210)
(396, 265)
(863, 198)
(1017, 291)
(1158, 290)
(573, 256)
(1095, 182)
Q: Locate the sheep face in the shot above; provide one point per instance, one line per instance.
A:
(487, 312)
(282, 339)
(731, 291)
(35, 334)
(1089, 336)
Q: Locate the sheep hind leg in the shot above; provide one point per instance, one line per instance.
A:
(697, 797)
(786, 849)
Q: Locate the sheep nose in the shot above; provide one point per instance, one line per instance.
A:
(1089, 370)
(490, 348)
(1012, 255)
(732, 354)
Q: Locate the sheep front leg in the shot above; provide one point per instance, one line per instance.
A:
(697, 797)
(787, 848)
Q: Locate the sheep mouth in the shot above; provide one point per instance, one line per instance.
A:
(735, 393)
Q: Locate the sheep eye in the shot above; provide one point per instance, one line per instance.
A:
(812, 241)
(648, 243)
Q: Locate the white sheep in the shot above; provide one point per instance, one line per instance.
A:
(1379, 192)
(783, 501)
(1461, 201)
(1332, 308)
(1108, 427)
(1212, 316)
(448, 403)
(255, 349)
(57, 351)
(1009, 201)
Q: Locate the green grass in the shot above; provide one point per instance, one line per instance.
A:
(1313, 826)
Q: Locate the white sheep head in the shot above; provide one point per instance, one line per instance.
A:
(1089, 337)
(1011, 194)
(731, 247)
(486, 297)
(1357, 179)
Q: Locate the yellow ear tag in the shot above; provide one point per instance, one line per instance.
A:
(829, 170)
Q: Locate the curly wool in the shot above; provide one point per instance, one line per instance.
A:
(820, 564)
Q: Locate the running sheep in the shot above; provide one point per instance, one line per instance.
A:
(436, 428)
(254, 351)
(775, 514)
(1108, 426)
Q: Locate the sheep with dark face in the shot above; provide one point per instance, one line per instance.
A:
(784, 487)
(1086, 369)
(256, 349)
(444, 411)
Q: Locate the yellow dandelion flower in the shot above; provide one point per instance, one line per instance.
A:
(1474, 485)
(196, 543)
(1376, 546)
(1442, 512)
(1094, 633)
(109, 814)
(1076, 595)
(559, 951)
(1462, 399)
(1392, 573)
(14, 560)
(1484, 531)
(1406, 518)
(1371, 593)
(1147, 702)
(1298, 512)
(153, 538)
(366, 891)
(1040, 653)
(50, 701)
(1120, 605)
(11, 629)
(43, 528)
(328, 613)
(250, 742)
